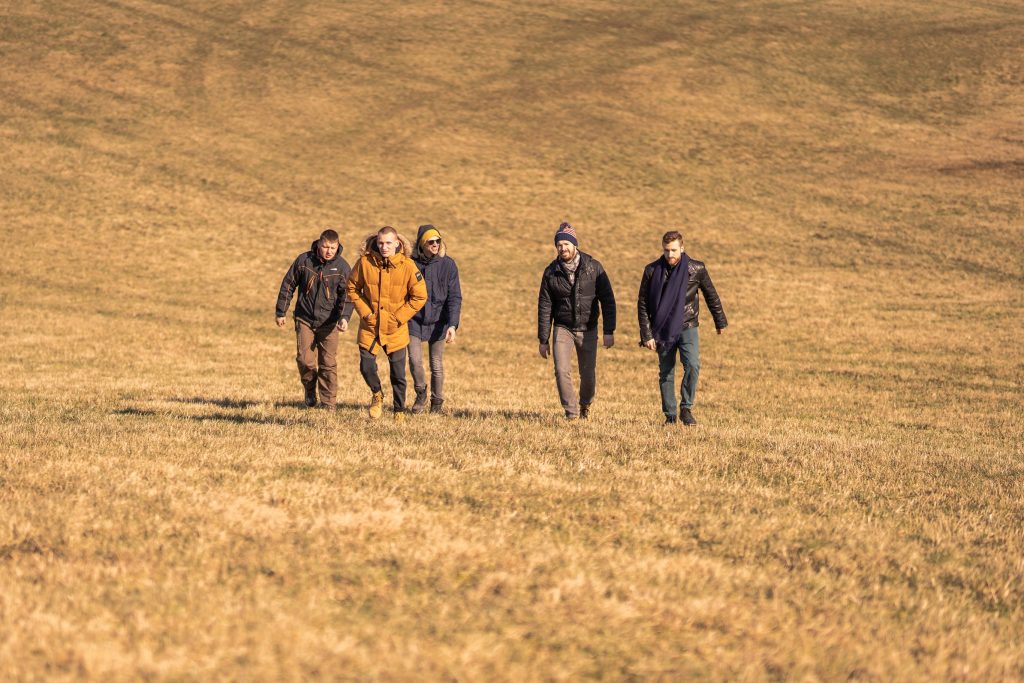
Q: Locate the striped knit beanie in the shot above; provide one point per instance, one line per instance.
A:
(566, 232)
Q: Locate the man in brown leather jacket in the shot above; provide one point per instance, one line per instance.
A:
(667, 308)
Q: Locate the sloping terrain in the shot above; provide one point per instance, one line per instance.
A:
(849, 507)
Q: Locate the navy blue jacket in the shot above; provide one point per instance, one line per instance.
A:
(444, 295)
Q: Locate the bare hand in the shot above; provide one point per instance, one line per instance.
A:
(544, 351)
(280, 321)
(343, 325)
(609, 341)
(651, 344)
(449, 335)
(719, 330)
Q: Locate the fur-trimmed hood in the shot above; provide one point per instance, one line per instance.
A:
(369, 245)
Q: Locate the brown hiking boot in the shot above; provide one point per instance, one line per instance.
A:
(377, 405)
(436, 405)
(585, 412)
(687, 417)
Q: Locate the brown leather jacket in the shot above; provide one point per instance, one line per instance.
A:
(698, 279)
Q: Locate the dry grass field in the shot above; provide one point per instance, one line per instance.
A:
(851, 506)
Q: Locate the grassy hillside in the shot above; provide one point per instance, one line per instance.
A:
(850, 506)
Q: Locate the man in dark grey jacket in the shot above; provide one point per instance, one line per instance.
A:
(667, 309)
(572, 288)
(319, 277)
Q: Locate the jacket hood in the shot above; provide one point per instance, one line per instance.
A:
(369, 245)
(421, 255)
(314, 248)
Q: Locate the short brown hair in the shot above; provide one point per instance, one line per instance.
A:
(671, 236)
(329, 236)
(386, 230)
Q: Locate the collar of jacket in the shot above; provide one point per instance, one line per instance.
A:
(392, 262)
(556, 265)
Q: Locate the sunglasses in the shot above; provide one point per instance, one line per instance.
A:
(434, 241)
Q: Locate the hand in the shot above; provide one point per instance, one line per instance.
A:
(449, 335)
(609, 341)
(651, 344)
(343, 325)
(371, 321)
(280, 321)
(719, 330)
(544, 351)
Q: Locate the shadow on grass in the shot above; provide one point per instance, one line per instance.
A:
(341, 405)
(136, 412)
(241, 419)
(241, 404)
(507, 413)
(211, 417)
(237, 403)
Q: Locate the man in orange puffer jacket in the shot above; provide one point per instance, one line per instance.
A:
(387, 289)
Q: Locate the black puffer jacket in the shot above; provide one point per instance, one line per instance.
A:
(321, 298)
(574, 306)
(698, 279)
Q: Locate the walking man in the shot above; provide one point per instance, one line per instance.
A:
(387, 290)
(321, 309)
(667, 308)
(571, 289)
(436, 322)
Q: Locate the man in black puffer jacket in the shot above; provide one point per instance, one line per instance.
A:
(571, 289)
(321, 309)
(667, 308)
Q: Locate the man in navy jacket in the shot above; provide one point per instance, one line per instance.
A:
(436, 322)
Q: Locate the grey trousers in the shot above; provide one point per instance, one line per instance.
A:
(585, 346)
(419, 371)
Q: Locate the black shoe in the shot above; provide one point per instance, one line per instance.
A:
(436, 405)
(421, 401)
(584, 412)
(670, 419)
(688, 419)
(310, 399)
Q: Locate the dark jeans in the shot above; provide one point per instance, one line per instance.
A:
(316, 356)
(368, 369)
(689, 354)
(419, 371)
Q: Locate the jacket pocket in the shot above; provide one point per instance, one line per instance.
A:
(389, 323)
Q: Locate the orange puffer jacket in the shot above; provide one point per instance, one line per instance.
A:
(386, 295)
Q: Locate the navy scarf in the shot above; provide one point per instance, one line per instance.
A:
(667, 300)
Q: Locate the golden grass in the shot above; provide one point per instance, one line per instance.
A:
(849, 507)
